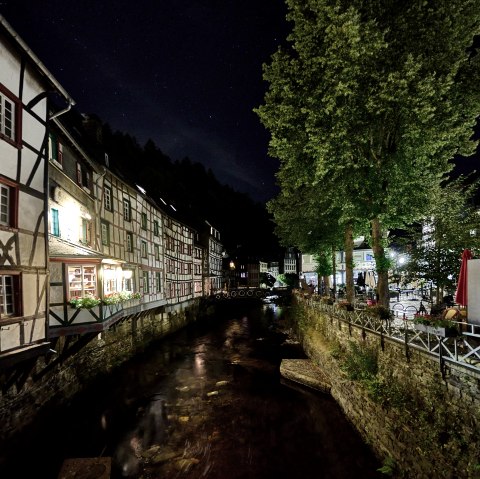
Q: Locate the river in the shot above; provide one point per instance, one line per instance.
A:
(207, 402)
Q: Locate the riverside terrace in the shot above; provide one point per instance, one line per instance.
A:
(462, 349)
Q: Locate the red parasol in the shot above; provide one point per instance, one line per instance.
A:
(461, 296)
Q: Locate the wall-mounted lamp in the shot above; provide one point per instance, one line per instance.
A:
(232, 265)
(127, 273)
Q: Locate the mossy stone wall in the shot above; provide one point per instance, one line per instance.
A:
(406, 411)
(34, 387)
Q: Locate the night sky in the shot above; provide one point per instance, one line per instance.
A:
(185, 73)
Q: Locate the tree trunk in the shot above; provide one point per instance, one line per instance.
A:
(334, 268)
(381, 264)
(349, 263)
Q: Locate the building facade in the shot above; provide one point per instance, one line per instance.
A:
(25, 85)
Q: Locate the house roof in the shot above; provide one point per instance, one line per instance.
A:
(60, 248)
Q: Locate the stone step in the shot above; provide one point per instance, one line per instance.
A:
(305, 372)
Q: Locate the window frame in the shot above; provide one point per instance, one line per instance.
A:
(144, 249)
(16, 138)
(127, 210)
(144, 221)
(81, 267)
(145, 281)
(107, 197)
(129, 242)
(55, 217)
(105, 224)
(12, 205)
(16, 284)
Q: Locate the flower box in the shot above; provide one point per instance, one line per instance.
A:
(443, 331)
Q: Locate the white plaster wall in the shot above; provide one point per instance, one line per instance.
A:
(8, 160)
(10, 336)
(33, 296)
(34, 330)
(10, 71)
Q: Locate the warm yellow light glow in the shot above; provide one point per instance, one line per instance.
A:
(127, 273)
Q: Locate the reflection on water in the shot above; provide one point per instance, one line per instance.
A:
(209, 403)
(223, 412)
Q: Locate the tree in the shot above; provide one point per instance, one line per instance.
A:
(450, 226)
(370, 102)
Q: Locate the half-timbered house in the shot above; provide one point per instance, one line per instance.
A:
(25, 90)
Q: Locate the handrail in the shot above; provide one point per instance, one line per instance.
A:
(463, 349)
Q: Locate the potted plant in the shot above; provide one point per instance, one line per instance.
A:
(378, 311)
(435, 325)
(86, 302)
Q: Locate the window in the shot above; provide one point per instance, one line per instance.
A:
(105, 232)
(144, 221)
(55, 222)
(144, 249)
(9, 117)
(4, 205)
(158, 282)
(110, 278)
(83, 176)
(127, 210)
(157, 252)
(130, 242)
(9, 301)
(82, 280)
(55, 149)
(145, 282)
(155, 228)
(8, 205)
(107, 198)
(86, 231)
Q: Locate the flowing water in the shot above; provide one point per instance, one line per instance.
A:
(207, 402)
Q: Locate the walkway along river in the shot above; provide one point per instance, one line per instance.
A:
(207, 402)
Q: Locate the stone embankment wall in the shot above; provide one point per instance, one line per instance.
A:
(422, 425)
(77, 362)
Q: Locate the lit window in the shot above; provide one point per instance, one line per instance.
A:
(55, 222)
(82, 280)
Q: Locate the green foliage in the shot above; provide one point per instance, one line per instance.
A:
(86, 302)
(365, 107)
(389, 467)
(360, 362)
(324, 263)
(379, 311)
(290, 279)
